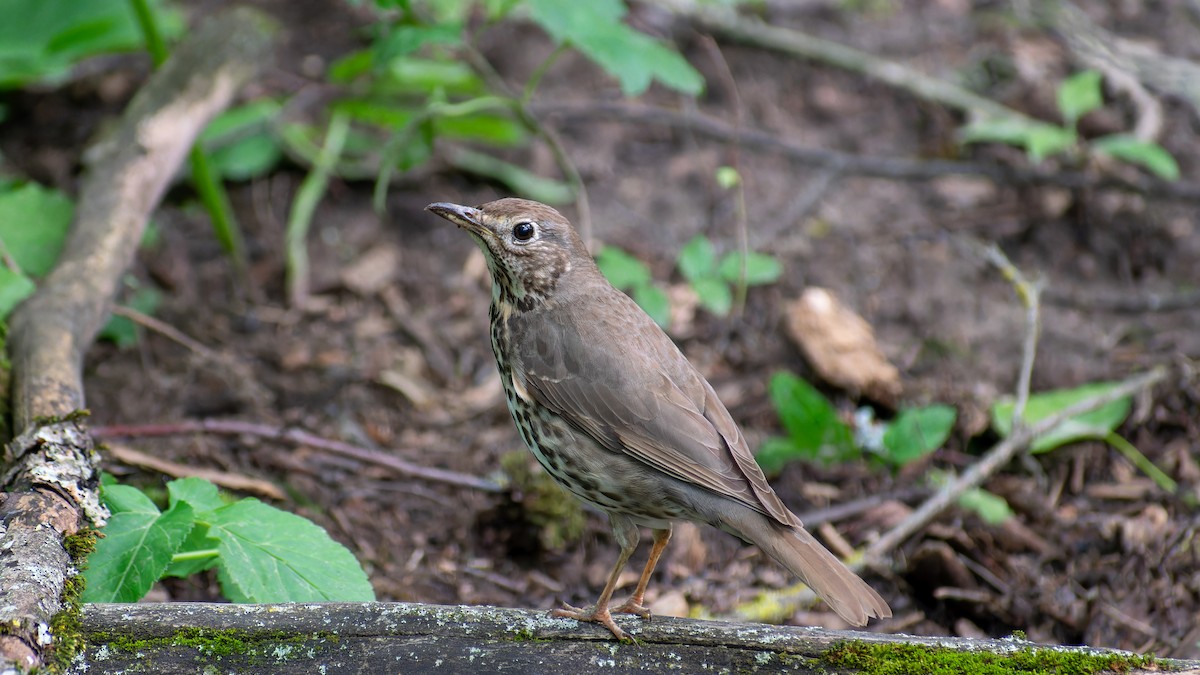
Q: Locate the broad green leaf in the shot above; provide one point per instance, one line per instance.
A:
(14, 288)
(197, 493)
(41, 39)
(495, 129)
(622, 270)
(1093, 425)
(269, 555)
(403, 40)
(425, 75)
(714, 295)
(1078, 95)
(1149, 155)
(697, 259)
(595, 28)
(654, 301)
(760, 268)
(917, 432)
(248, 158)
(811, 420)
(240, 143)
(992, 508)
(137, 546)
(33, 226)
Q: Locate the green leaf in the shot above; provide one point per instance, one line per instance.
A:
(33, 226)
(654, 301)
(728, 177)
(240, 143)
(623, 270)
(1096, 424)
(811, 420)
(269, 555)
(760, 268)
(14, 288)
(1078, 95)
(635, 59)
(137, 546)
(697, 259)
(197, 553)
(917, 432)
(990, 507)
(776, 453)
(714, 295)
(1039, 140)
(1147, 154)
(197, 493)
(405, 39)
(495, 129)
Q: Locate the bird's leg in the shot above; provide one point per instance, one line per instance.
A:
(634, 604)
(626, 533)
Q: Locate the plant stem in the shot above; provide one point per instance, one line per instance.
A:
(1141, 461)
(305, 205)
(195, 555)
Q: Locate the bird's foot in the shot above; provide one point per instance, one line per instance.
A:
(598, 615)
(632, 607)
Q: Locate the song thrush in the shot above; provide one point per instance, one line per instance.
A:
(620, 418)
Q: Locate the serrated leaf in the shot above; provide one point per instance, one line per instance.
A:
(992, 508)
(1078, 95)
(622, 270)
(137, 546)
(1095, 424)
(1149, 155)
(269, 555)
(198, 493)
(14, 288)
(697, 258)
(760, 268)
(811, 421)
(917, 432)
(714, 295)
(33, 226)
(654, 301)
(595, 29)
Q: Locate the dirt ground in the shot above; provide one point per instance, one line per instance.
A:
(1096, 554)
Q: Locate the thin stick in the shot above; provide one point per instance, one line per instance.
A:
(166, 330)
(237, 428)
(230, 481)
(998, 456)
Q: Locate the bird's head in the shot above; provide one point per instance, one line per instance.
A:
(529, 246)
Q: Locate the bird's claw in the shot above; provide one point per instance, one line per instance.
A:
(635, 608)
(594, 615)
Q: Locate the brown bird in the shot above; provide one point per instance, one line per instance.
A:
(613, 410)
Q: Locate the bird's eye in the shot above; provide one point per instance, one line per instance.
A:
(523, 231)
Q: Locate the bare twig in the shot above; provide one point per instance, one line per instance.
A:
(1030, 293)
(236, 428)
(896, 168)
(998, 456)
(225, 479)
(165, 329)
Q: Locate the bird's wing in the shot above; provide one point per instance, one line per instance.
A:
(648, 402)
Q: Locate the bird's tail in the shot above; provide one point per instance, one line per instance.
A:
(804, 556)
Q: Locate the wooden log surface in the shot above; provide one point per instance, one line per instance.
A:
(414, 638)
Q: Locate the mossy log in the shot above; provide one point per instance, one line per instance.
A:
(414, 638)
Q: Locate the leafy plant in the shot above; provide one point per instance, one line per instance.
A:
(33, 227)
(711, 278)
(261, 554)
(816, 432)
(1099, 424)
(633, 276)
(1077, 96)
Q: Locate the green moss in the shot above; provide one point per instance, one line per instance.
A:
(256, 647)
(66, 625)
(559, 517)
(898, 659)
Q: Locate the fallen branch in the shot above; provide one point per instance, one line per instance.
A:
(412, 638)
(998, 456)
(225, 479)
(49, 474)
(236, 428)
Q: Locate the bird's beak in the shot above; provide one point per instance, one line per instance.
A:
(466, 217)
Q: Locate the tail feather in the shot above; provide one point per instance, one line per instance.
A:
(796, 549)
